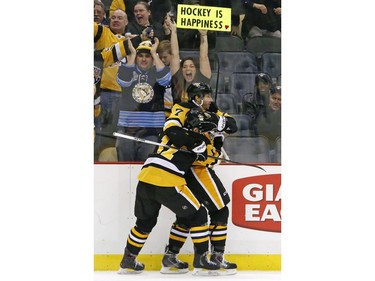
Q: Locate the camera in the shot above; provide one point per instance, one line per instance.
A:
(172, 17)
(148, 33)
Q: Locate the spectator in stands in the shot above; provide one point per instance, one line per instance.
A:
(254, 104)
(141, 106)
(187, 70)
(165, 54)
(269, 121)
(143, 24)
(159, 8)
(110, 90)
(99, 13)
(269, 124)
(262, 18)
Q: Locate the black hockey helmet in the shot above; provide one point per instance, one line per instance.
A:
(198, 89)
(204, 121)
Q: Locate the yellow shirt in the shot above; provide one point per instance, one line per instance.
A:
(104, 38)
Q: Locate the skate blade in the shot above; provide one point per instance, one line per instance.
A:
(224, 271)
(128, 271)
(205, 272)
(173, 270)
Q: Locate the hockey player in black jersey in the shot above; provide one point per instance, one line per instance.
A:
(210, 191)
(162, 182)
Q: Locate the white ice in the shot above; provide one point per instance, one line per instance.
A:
(152, 275)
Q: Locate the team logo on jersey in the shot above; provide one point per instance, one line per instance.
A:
(143, 93)
(258, 202)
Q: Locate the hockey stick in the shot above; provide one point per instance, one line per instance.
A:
(183, 150)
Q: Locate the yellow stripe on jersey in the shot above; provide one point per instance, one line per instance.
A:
(159, 177)
(178, 115)
(204, 178)
(186, 192)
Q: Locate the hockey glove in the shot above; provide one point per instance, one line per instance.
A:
(201, 150)
(212, 122)
(218, 141)
(221, 123)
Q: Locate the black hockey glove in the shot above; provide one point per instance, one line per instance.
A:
(212, 122)
(218, 141)
(201, 151)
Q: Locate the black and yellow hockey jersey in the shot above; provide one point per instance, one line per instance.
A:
(167, 166)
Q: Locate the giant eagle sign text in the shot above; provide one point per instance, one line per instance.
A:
(204, 17)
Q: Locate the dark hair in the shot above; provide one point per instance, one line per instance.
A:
(264, 77)
(144, 3)
(196, 64)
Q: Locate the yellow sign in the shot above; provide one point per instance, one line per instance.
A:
(204, 17)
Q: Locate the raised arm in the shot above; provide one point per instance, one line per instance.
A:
(175, 51)
(204, 61)
(133, 53)
(157, 61)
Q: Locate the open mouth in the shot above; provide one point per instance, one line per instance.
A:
(188, 76)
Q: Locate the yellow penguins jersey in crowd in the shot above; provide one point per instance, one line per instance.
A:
(104, 38)
(113, 54)
(167, 166)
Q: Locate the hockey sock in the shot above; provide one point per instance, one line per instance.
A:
(177, 238)
(218, 237)
(136, 240)
(199, 236)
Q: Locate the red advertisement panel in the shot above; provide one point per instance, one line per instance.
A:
(256, 202)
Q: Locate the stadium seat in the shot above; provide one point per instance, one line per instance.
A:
(237, 62)
(243, 125)
(259, 45)
(247, 149)
(227, 103)
(271, 63)
(229, 43)
(241, 83)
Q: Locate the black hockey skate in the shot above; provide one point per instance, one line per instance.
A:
(204, 267)
(172, 265)
(226, 267)
(129, 264)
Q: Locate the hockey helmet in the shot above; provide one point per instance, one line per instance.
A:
(198, 89)
(204, 121)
